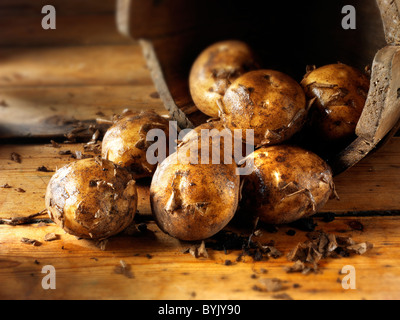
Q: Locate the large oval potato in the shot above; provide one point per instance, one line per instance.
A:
(339, 92)
(267, 101)
(92, 198)
(193, 201)
(215, 69)
(125, 142)
(287, 183)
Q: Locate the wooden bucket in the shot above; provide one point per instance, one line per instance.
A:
(287, 37)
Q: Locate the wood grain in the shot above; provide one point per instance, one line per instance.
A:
(71, 7)
(72, 30)
(77, 23)
(37, 84)
(381, 111)
(73, 66)
(80, 102)
(30, 112)
(372, 185)
(148, 19)
(158, 269)
(159, 82)
(390, 12)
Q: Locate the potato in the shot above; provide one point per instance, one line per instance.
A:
(267, 101)
(193, 201)
(215, 69)
(288, 183)
(212, 126)
(92, 198)
(125, 143)
(340, 92)
(217, 129)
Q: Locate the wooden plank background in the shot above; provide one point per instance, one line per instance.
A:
(161, 271)
(85, 67)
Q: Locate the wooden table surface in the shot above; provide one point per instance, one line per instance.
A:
(75, 73)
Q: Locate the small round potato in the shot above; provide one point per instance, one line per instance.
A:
(92, 198)
(215, 69)
(339, 92)
(267, 101)
(125, 141)
(288, 183)
(193, 201)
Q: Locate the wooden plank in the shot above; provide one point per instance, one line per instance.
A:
(70, 30)
(155, 70)
(159, 270)
(372, 185)
(26, 105)
(381, 111)
(32, 111)
(149, 19)
(73, 65)
(390, 12)
(70, 7)
(37, 84)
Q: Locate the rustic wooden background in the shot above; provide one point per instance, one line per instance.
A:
(85, 68)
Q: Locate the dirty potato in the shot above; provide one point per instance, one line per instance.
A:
(216, 129)
(215, 69)
(213, 127)
(125, 141)
(92, 198)
(287, 183)
(267, 101)
(338, 92)
(193, 201)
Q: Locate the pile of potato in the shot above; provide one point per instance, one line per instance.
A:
(192, 198)
(96, 198)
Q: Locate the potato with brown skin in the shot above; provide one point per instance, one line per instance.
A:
(267, 101)
(339, 92)
(287, 183)
(215, 69)
(125, 143)
(92, 198)
(193, 201)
